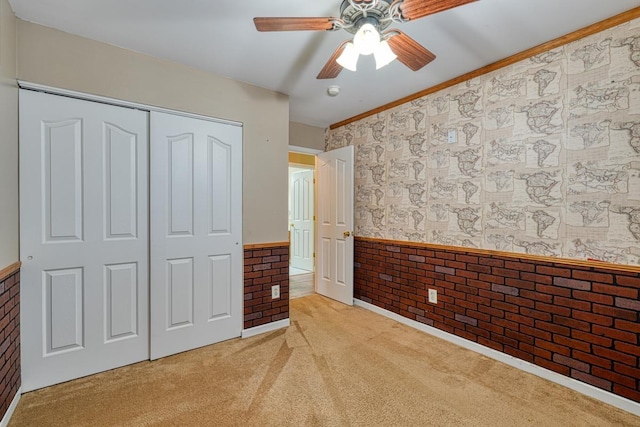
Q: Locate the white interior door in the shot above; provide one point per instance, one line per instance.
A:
(83, 238)
(302, 227)
(334, 254)
(196, 233)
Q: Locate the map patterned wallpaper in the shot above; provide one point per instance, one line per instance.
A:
(540, 157)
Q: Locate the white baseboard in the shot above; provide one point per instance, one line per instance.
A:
(273, 326)
(11, 408)
(589, 390)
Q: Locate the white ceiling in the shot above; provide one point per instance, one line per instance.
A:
(219, 36)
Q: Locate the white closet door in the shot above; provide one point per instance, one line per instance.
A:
(83, 238)
(196, 233)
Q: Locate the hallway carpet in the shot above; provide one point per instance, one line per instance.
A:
(334, 366)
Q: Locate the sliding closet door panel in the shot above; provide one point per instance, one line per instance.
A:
(196, 233)
(84, 240)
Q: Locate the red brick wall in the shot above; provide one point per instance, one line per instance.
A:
(264, 267)
(9, 339)
(575, 318)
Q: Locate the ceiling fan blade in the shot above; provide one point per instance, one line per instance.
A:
(409, 52)
(293, 24)
(331, 69)
(414, 9)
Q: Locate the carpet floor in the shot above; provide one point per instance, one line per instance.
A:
(334, 366)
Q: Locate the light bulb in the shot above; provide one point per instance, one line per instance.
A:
(366, 40)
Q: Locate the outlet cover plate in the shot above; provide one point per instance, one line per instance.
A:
(433, 296)
(275, 292)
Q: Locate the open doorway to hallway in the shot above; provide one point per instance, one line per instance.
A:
(301, 224)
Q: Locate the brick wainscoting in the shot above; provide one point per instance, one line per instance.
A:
(265, 266)
(576, 318)
(9, 336)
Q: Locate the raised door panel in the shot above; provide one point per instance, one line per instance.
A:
(121, 301)
(180, 188)
(62, 181)
(179, 293)
(220, 286)
(219, 191)
(63, 310)
(121, 182)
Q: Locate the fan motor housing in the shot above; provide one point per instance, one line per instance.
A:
(355, 17)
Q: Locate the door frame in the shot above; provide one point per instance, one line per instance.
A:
(312, 152)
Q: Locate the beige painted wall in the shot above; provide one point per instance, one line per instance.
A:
(51, 57)
(302, 135)
(8, 138)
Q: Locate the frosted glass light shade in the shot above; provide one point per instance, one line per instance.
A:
(366, 40)
(383, 54)
(349, 57)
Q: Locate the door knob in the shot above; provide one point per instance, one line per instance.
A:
(346, 234)
(293, 226)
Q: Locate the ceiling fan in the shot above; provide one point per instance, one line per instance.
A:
(368, 20)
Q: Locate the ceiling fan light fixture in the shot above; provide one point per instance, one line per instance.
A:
(366, 40)
(383, 54)
(349, 57)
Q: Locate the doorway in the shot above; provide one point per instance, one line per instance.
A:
(301, 223)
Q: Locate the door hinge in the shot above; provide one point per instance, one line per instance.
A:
(314, 180)
(314, 254)
(314, 217)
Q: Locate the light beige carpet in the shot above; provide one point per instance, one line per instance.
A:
(335, 366)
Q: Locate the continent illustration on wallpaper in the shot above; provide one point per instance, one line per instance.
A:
(468, 104)
(467, 219)
(395, 143)
(363, 153)
(416, 192)
(377, 174)
(440, 158)
(417, 116)
(377, 130)
(470, 130)
(469, 189)
(543, 221)
(379, 150)
(548, 57)
(589, 135)
(543, 149)
(593, 99)
(543, 78)
(501, 242)
(592, 55)
(417, 217)
(633, 43)
(416, 144)
(587, 178)
(506, 88)
(633, 216)
(439, 212)
(468, 161)
(442, 238)
(499, 216)
(503, 152)
(442, 188)
(633, 130)
(397, 215)
(440, 104)
(417, 167)
(398, 121)
(539, 248)
(398, 169)
(377, 217)
(541, 116)
(591, 249)
(503, 117)
(501, 181)
(592, 213)
(539, 186)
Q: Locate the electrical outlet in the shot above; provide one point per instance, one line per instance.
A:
(275, 292)
(433, 296)
(452, 136)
